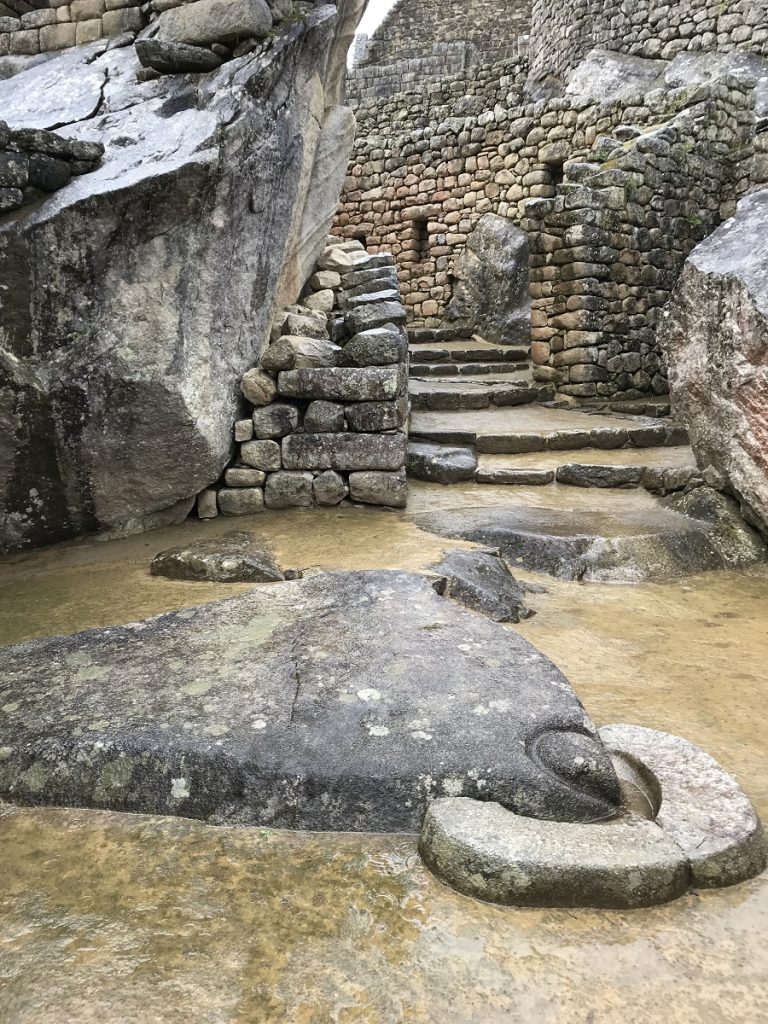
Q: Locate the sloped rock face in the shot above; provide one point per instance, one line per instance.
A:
(715, 335)
(133, 300)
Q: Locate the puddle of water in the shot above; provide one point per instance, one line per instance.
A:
(107, 917)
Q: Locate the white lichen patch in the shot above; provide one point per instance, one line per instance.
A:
(258, 724)
(377, 730)
(197, 687)
(369, 695)
(179, 789)
(421, 735)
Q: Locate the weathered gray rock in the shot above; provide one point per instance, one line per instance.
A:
(325, 279)
(329, 488)
(341, 260)
(233, 558)
(243, 430)
(258, 387)
(241, 501)
(312, 352)
(238, 476)
(482, 581)
(605, 75)
(491, 288)
(324, 418)
(370, 417)
(302, 326)
(344, 451)
(373, 488)
(133, 299)
(215, 21)
(680, 535)
(217, 713)
(263, 455)
(344, 384)
(375, 314)
(487, 852)
(288, 490)
(275, 421)
(380, 347)
(280, 355)
(171, 58)
(207, 507)
(702, 808)
(365, 298)
(583, 475)
(715, 336)
(321, 301)
(440, 463)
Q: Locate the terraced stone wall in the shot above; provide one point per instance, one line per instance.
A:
(29, 27)
(563, 34)
(423, 173)
(422, 41)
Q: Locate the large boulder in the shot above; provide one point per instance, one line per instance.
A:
(491, 288)
(134, 299)
(340, 701)
(715, 335)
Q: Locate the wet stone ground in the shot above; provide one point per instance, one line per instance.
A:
(120, 918)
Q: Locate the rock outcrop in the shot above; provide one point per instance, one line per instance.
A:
(491, 289)
(715, 334)
(134, 298)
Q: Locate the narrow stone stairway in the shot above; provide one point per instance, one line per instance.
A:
(478, 415)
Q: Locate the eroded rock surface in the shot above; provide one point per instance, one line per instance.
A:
(340, 701)
(715, 335)
(133, 300)
(481, 580)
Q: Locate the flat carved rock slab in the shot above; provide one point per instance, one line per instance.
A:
(343, 701)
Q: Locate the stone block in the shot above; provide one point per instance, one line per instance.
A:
(58, 37)
(375, 314)
(206, 504)
(311, 352)
(244, 430)
(285, 489)
(88, 31)
(344, 451)
(241, 501)
(383, 346)
(86, 10)
(25, 43)
(128, 19)
(263, 455)
(373, 417)
(237, 476)
(329, 488)
(374, 488)
(324, 418)
(344, 384)
(275, 421)
(258, 387)
(322, 300)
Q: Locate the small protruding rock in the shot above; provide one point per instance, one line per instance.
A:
(324, 418)
(481, 580)
(275, 420)
(440, 463)
(242, 501)
(233, 558)
(258, 387)
(329, 488)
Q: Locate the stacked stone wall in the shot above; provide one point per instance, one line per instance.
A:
(563, 34)
(421, 178)
(423, 41)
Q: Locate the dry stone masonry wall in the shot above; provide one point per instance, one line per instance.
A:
(329, 397)
(34, 163)
(563, 34)
(423, 41)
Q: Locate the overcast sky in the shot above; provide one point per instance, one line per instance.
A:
(374, 13)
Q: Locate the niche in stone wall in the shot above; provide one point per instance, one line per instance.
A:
(421, 239)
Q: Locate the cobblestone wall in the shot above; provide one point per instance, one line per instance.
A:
(425, 170)
(422, 42)
(563, 34)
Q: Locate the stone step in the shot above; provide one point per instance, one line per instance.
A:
(533, 428)
(468, 353)
(430, 335)
(450, 369)
(656, 469)
(499, 390)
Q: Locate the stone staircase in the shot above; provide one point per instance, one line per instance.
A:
(477, 415)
